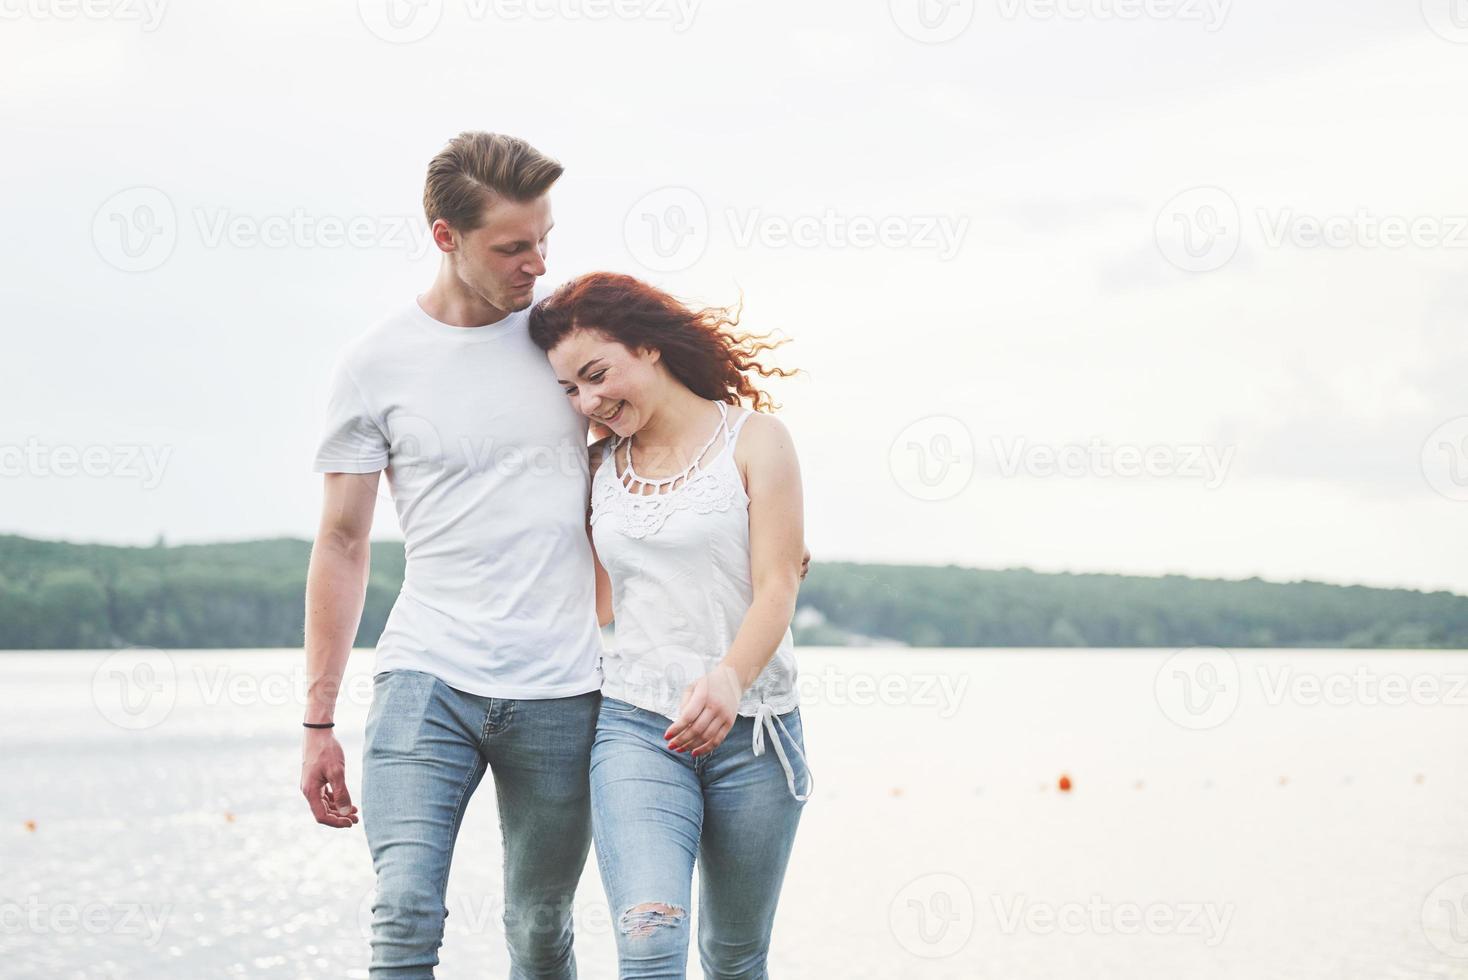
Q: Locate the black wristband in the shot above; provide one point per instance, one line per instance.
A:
(329, 724)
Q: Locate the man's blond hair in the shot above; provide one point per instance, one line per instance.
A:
(466, 175)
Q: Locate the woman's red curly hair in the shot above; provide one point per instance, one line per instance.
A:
(699, 346)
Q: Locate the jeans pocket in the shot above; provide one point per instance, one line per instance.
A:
(400, 700)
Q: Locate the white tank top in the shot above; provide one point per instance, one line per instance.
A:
(677, 552)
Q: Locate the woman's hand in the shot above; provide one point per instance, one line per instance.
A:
(710, 706)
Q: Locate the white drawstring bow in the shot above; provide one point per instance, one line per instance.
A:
(765, 717)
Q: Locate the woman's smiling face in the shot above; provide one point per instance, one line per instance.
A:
(606, 382)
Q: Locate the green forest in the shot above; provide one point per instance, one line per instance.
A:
(56, 595)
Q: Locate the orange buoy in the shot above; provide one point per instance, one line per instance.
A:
(1064, 783)
(229, 817)
(896, 791)
(30, 825)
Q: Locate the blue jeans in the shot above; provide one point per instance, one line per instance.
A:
(428, 746)
(655, 810)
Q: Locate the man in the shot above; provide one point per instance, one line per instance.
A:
(490, 659)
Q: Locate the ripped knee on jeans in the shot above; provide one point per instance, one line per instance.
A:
(639, 921)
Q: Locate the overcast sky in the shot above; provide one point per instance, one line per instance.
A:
(1090, 285)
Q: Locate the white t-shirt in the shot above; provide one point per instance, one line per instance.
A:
(486, 461)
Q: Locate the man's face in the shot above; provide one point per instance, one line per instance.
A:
(501, 259)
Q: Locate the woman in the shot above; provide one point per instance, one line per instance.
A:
(697, 526)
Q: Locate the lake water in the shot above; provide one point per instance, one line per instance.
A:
(1260, 814)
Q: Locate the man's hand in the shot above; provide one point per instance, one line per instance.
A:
(324, 779)
(805, 562)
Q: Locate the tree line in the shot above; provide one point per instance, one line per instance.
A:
(57, 595)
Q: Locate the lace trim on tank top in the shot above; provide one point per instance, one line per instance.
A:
(703, 489)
